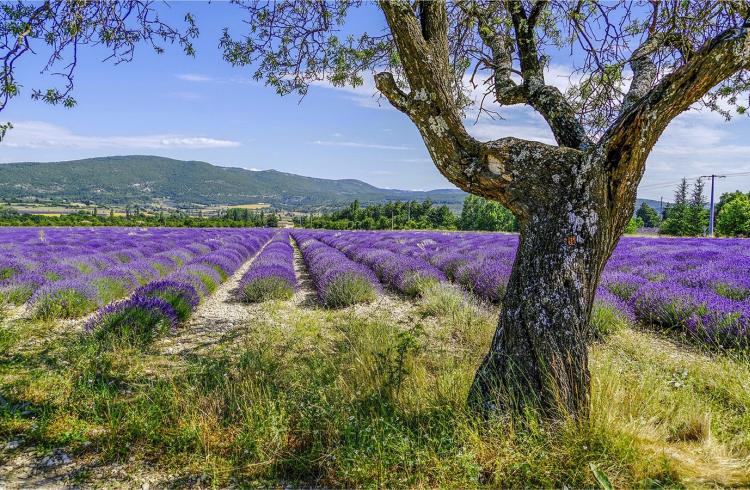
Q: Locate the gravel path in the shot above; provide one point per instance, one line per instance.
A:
(216, 317)
(305, 296)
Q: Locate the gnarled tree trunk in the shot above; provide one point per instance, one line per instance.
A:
(572, 201)
(539, 355)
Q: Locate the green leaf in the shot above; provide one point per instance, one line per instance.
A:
(601, 478)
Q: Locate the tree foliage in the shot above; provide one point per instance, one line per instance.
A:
(633, 225)
(482, 214)
(648, 216)
(688, 215)
(291, 44)
(233, 218)
(733, 214)
(398, 215)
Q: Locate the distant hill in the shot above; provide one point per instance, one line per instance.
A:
(148, 179)
(653, 203)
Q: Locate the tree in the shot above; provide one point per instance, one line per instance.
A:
(734, 217)
(648, 216)
(482, 214)
(675, 222)
(633, 225)
(687, 216)
(697, 214)
(725, 198)
(572, 200)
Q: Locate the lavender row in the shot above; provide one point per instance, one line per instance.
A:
(271, 275)
(403, 272)
(45, 256)
(163, 304)
(338, 280)
(69, 286)
(698, 287)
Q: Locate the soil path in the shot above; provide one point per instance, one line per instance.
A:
(216, 317)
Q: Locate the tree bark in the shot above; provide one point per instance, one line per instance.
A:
(572, 201)
(538, 358)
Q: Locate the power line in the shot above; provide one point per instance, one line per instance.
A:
(661, 185)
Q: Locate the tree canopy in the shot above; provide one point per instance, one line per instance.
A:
(648, 216)
(733, 214)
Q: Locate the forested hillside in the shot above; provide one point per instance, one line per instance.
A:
(148, 179)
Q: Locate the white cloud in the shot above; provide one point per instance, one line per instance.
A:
(355, 144)
(194, 77)
(37, 134)
(524, 128)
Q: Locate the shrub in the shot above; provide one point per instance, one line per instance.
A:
(21, 288)
(208, 276)
(607, 318)
(138, 320)
(347, 289)
(266, 288)
(182, 297)
(63, 299)
(113, 284)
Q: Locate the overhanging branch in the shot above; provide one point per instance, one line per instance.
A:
(630, 139)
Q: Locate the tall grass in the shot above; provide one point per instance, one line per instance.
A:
(336, 399)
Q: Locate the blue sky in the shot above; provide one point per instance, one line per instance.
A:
(203, 109)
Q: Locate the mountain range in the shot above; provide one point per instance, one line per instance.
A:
(151, 180)
(144, 180)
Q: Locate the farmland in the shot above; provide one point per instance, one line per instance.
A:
(263, 357)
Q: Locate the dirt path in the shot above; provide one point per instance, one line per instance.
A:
(216, 318)
(305, 296)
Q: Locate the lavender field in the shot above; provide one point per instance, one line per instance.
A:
(695, 287)
(253, 356)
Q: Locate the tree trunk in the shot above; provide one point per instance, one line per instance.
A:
(538, 358)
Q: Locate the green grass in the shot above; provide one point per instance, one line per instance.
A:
(16, 294)
(129, 327)
(109, 289)
(207, 281)
(336, 398)
(606, 319)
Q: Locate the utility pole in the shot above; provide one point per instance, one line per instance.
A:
(711, 210)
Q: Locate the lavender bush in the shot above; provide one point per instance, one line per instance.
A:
(271, 275)
(338, 280)
(137, 320)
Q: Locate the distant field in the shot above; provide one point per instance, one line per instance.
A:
(265, 358)
(250, 206)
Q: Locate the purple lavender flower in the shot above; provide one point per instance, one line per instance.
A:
(136, 320)
(182, 296)
(338, 280)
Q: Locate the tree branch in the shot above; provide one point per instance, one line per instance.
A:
(545, 99)
(507, 92)
(630, 139)
(399, 99)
